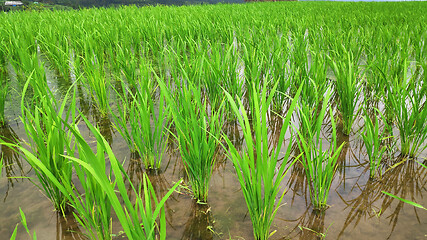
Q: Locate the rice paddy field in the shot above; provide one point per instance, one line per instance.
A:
(278, 120)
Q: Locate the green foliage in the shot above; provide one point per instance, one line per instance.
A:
(347, 85)
(4, 90)
(319, 165)
(49, 139)
(372, 139)
(138, 219)
(406, 101)
(24, 224)
(148, 120)
(198, 131)
(259, 171)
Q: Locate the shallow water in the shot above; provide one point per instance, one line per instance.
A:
(358, 209)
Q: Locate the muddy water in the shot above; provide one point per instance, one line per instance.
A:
(358, 209)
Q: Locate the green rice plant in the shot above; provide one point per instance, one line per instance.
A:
(198, 131)
(22, 54)
(280, 71)
(148, 121)
(347, 86)
(222, 71)
(409, 114)
(150, 137)
(49, 140)
(96, 80)
(56, 47)
(316, 83)
(254, 69)
(4, 89)
(372, 138)
(128, 65)
(121, 115)
(25, 225)
(137, 219)
(92, 208)
(320, 166)
(259, 171)
(100, 194)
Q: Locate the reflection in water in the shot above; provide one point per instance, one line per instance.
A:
(84, 103)
(199, 225)
(233, 131)
(63, 85)
(161, 185)
(275, 123)
(406, 179)
(310, 225)
(105, 127)
(314, 226)
(67, 228)
(297, 183)
(13, 165)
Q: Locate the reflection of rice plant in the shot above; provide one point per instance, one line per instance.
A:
(320, 166)
(12, 162)
(373, 143)
(259, 172)
(402, 179)
(198, 132)
(407, 201)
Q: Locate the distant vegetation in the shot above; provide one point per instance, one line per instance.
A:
(105, 3)
(60, 4)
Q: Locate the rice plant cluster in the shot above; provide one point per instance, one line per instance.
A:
(182, 74)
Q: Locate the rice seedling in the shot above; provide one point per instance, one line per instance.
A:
(1, 165)
(280, 71)
(49, 140)
(222, 70)
(151, 141)
(320, 166)
(200, 51)
(96, 79)
(198, 133)
(347, 86)
(25, 225)
(148, 120)
(138, 219)
(409, 114)
(259, 171)
(4, 87)
(372, 139)
(255, 61)
(128, 64)
(57, 48)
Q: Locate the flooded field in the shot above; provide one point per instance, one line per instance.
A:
(334, 106)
